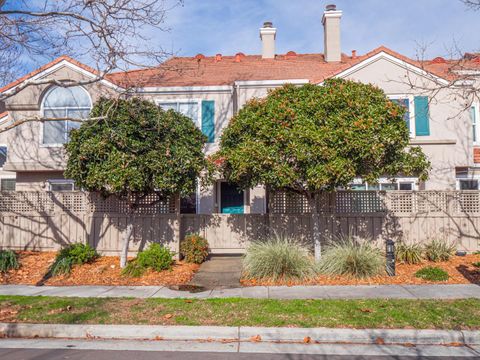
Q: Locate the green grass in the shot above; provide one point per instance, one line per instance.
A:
(432, 274)
(372, 313)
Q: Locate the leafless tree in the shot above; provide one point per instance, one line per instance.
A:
(111, 34)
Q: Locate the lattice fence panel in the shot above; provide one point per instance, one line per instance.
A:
(26, 202)
(358, 202)
(76, 202)
(432, 201)
(149, 205)
(467, 202)
(400, 202)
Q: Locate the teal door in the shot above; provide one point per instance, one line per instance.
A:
(231, 199)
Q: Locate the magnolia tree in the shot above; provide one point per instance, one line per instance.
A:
(137, 150)
(311, 139)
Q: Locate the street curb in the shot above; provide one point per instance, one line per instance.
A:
(241, 334)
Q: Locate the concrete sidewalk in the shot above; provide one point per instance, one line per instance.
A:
(259, 292)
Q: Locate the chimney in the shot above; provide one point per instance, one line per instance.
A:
(331, 33)
(268, 34)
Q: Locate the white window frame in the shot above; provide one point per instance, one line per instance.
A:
(60, 182)
(461, 177)
(411, 109)
(4, 145)
(384, 180)
(159, 102)
(477, 123)
(42, 109)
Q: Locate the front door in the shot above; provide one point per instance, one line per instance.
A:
(231, 199)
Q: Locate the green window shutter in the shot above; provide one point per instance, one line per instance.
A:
(422, 126)
(208, 119)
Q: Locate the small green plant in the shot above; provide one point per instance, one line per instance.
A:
(75, 254)
(432, 274)
(278, 257)
(194, 249)
(408, 253)
(439, 250)
(156, 257)
(8, 261)
(353, 257)
(476, 264)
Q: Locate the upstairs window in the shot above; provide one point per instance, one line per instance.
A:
(3, 155)
(72, 102)
(187, 108)
(474, 120)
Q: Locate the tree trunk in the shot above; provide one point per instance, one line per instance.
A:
(312, 201)
(126, 241)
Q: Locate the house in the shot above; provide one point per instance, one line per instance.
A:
(211, 89)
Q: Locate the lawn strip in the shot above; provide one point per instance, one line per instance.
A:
(372, 313)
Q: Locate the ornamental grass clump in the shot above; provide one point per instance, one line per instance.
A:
(75, 254)
(439, 250)
(408, 253)
(276, 258)
(352, 257)
(432, 274)
(194, 249)
(8, 261)
(156, 257)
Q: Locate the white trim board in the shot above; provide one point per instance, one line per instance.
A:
(395, 60)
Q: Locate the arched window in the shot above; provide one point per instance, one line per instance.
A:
(59, 102)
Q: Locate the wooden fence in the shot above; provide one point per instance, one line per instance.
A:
(47, 221)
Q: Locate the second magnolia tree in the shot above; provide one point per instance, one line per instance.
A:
(310, 139)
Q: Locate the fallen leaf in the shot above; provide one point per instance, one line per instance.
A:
(189, 301)
(307, 340)
(168, 316)
(158, 338)
(366, 310)
(256, 338)
(379, 341)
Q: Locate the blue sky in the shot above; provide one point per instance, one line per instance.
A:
(230, 26)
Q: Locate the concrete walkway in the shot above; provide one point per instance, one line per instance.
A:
(219, 272)
(259, 292)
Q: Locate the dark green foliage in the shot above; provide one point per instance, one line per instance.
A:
(313, 138)
(432, 274)
(75, 254)
(352, 257)
(194, 249)
(408, 253)
(138, 148)
(476, 264)
(8, 261)
(439, 250)
(156, 257)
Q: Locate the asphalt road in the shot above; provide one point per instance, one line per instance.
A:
(62, 354)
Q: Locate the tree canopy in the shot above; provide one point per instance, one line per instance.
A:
(313, 138)
(137, 148)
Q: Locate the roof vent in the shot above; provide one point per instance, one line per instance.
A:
(331, 7)
(239, 56)
(199, 56)
(218, 57)
(439, 60)
(267, 24)
(291, 55)
(354, 54)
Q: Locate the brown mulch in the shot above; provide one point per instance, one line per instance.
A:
(103, 271)
(459, 268)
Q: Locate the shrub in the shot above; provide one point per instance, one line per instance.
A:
(278, 257)
(156, 257)
(476, 264)
(432, 274)
(349, 256)
(408, 253)
(439, 250)
(8, 261)
(194, 249)
(75, 254)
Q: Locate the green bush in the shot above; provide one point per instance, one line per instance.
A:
(156, 257)
(408, 253)
(75, 254)
(349, 256)
(8, 261)
(432, 274)
(194, 249)
(439, 250)
(476, 264)
(278, 257)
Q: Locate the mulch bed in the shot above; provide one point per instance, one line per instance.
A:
(103, 271)
(459, 268)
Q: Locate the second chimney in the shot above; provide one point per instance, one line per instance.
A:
(268, 34)
(331, 33)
